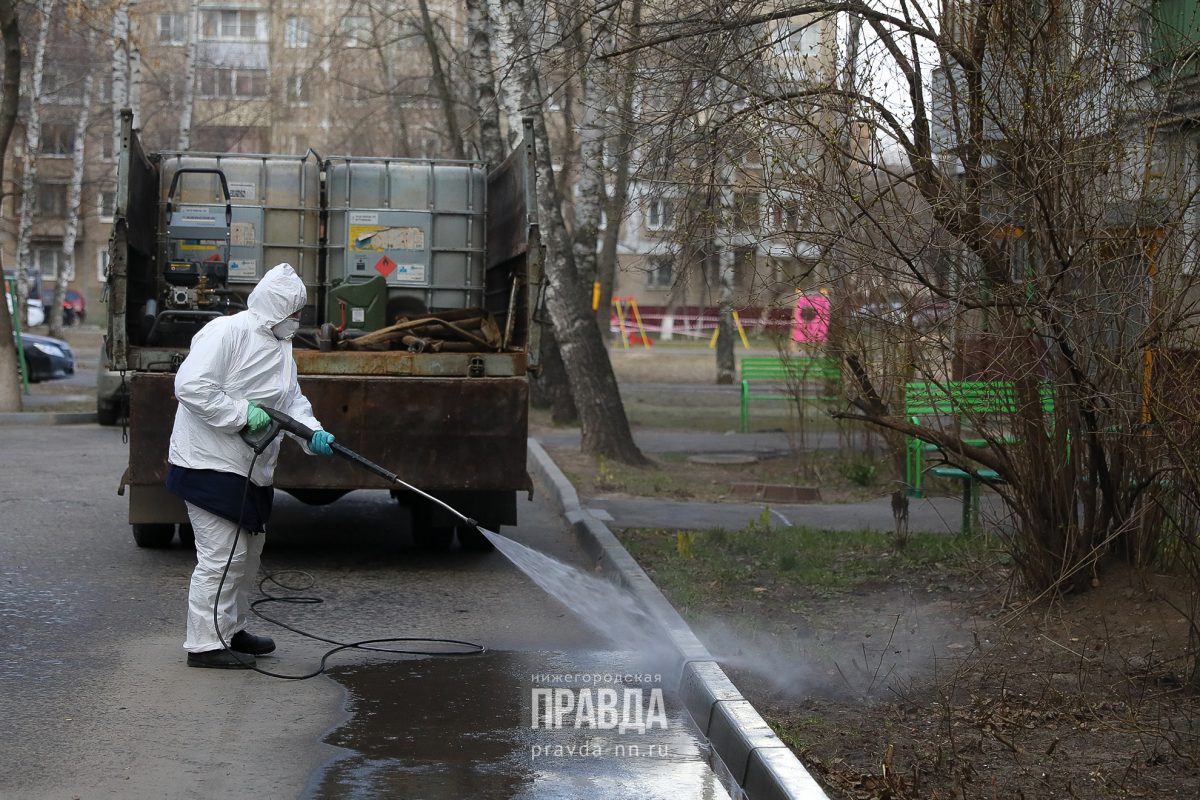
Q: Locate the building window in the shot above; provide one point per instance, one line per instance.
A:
(58, 140)
(101, 264)
(661, 273)
(172, 29)
(44, 259)
(62, 89)
(298, 92)
(233, 83)
(800, 38)
(297, 32)
(745, 211)
(233, 25)
(106, 204)
(51, 199)
(356, 31)
(784, 217)
(661, 214)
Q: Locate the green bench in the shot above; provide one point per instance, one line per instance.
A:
(767, 378)
(966, 401)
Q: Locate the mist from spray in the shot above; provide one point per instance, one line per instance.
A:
(606, 607)
(862, 658)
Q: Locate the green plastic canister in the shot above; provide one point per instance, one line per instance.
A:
(362, 306)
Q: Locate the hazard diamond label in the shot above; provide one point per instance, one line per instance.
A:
(385, 266)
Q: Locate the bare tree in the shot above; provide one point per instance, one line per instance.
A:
(1041, 196)
(593, 386)
(440, 83)
(120, 68)
(10, 92)
(29, 160)
(74, 194)
(189, 77)
(483, 80)
(622, 137)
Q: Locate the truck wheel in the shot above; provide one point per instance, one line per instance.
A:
(187, 536)
(155, 534)
(471, 539)
(433, 539)
(107, 415)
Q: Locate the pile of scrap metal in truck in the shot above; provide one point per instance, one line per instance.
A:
(416, 341)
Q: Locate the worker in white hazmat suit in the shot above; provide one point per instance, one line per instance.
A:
(236, 365)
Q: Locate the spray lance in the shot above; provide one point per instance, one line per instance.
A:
(282, 423)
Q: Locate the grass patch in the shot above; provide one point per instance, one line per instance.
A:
(707, 570)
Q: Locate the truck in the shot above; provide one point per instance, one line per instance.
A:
(416, 343)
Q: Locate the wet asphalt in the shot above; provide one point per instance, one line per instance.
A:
(96, 700)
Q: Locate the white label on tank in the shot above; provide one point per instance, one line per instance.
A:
(241, 234)
(364, 218)
(195, 215)
(409, 273)
(242, 191)
(243, 268)
(358, 314)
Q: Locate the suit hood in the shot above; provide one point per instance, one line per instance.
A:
(278, 295)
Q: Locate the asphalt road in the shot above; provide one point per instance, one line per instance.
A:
(96, 701)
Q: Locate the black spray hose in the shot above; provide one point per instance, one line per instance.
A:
(258, 442)
(282, 423)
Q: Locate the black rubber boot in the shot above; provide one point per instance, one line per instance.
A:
(246, 642)
(220, 659)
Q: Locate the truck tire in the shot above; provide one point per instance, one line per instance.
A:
(187, 536)
(153, 534)
(108, 415)
(471, 539)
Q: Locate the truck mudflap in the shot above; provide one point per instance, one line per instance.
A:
(458, 435)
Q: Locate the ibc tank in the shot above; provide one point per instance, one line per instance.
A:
(276, 210)
(419, 223)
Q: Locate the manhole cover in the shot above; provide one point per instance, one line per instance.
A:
(722, 458)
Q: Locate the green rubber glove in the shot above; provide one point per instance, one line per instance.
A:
(256, 419)
(320, 442)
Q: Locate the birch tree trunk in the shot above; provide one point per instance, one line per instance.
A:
(66, 270)
(189, 77)
(10, 95)
(508, 82)
(726, 332)
(120, 70)
(605, 427)
(439, 81)
(135, 86)
(590, 201)
(483, 79)
(29, 161)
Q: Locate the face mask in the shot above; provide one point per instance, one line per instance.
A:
(286, 329)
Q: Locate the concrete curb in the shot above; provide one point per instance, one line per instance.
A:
(48, 418)
(761, 764)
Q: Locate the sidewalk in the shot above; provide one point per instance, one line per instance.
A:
(926, 515)
(659, 441)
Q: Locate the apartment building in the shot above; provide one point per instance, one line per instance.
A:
(270, 76)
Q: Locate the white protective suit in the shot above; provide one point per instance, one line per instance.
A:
(233, 360)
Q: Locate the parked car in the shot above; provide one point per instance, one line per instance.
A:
(112, 393)
(46, 358)
(74, 308)
(37, 314)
